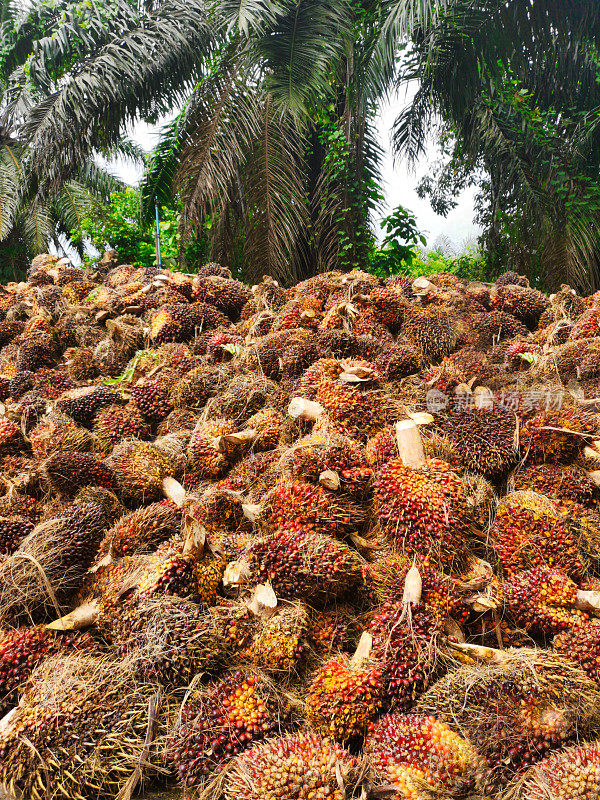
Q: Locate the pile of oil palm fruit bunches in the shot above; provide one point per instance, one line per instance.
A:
(338, 540)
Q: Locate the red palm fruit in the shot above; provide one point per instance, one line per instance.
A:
(526, 304)
(281, 642)
(382, 447)
(344, 697)
(22, 649)
(572, 774)
(334, 630)
(422, 510)
(139, 469)
(561, 482)
(142, 530)
(194, 387)
(543, 600)
(12, 532)
(11, 437)
(205, 460)
(302, 507)
(152, 399)
(293, 767)
(228, 295)
(307, 565)
(405, 640)
(581, 644)
(57, 432)
(419, 755)
(388, 307)
(305, 312)
(114, 423)
(51, 383)
(221, 720)
(485, 439)
(529, 531)
(398, 361)
(555, 435)
(68, 472)
(326, 451)
(587, 326)
(268, 423)
(431, 329)
(21, 505)
(82, 404)
(517, 707)
(223, 346)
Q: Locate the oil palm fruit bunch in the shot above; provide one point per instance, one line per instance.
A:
(421, 757)
(114, 423)
(194, 388)
(51, 562)
(305, 508)
(22, 649)
(221, 720)
(345, 695)
(543, 601)
(139, 469)
(77, 710)
(13, 530)
(83, 403)
(68, 472)
(205, 458)
(485, 439)
(227, 295)
(567, 483)
(572, 773)
(518, 705)
(21, 505)
(556, 435)
(431, 329)
(405, 642)
(306, 566)
(526, 304)
(295, 766)
(142, 530)
(151, 398)
(280, 645)
(423, 510)
(529, 531)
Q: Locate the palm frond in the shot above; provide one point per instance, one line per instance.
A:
(162, 164)
(144, 73)
(36, 225)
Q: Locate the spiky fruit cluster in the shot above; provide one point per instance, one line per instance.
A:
(152, 399)
(223, 346)
(328, 451)
(307, 565)
(50, 383)
(171, 323)
(439, 591)
(107, 500)
(83, 404)
(511, 278)
(388, 307)
(267, 423)
(77, 710)
(530, 532)
(220, 721)
(356, 412)
(205, 460)
(22, 649)
(12, 532)
(68, 472)
(281, 642)
(304, 312)
(581, 644)
(194, 388)
(543, 601)
(517, 711)
(488, 329)
(405, 640)
(304, 508)
(422, 510)
(382, 447)
(10, 435)
(398, 361)
(431, 329)
(139, 469)
(21, 505)
(587, 326)
(343, 698)
(227, 295)
(526, 304)
(334, 630)
(83, 525)
(556, 435)
(484, 438)
(57, 432)
(563, 482)
(142, 530)
(294, 767)
(20, 383)
(572, 774)
(115, 423)
(407, 751)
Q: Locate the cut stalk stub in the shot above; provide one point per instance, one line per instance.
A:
(300, 408)
(81, 617)
(410, 444)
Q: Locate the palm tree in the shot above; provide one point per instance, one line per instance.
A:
(252, 75)
(30, 219)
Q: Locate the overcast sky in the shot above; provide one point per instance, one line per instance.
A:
(399, 184)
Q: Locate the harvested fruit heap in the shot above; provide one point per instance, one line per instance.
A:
(336, 540)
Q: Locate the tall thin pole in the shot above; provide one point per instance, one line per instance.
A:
(157, 235)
